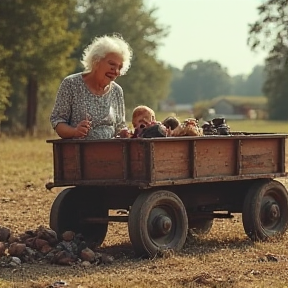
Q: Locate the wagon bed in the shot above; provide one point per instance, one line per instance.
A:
(168, 161)
(191, 181)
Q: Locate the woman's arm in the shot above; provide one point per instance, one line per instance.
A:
(61, 113)
(66, 131)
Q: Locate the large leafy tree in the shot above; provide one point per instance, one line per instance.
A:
(147, 81)
(249, 85)
(270, 32)
(239, 85)
(200, 80)
(37, 35)
(255, 81)
(5, 86)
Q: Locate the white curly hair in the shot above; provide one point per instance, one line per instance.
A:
(103, 45)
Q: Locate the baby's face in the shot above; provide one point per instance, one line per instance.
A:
(141, 119)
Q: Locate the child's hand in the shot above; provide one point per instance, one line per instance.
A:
(124, 133)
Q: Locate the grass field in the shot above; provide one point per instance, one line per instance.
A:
(224, 258)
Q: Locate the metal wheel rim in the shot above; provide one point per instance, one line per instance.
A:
(270, 211)
(162, 239)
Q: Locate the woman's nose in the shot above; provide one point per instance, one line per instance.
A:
(117, 71)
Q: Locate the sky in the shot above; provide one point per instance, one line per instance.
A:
(214, 30)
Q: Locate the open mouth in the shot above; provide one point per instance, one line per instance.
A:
(110, 76)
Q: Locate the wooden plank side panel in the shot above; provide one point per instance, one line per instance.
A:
(260, 156)
(58, 164)
(171, 160)
(139, 162)
(71, 161)
(103, 161)
(215, 157)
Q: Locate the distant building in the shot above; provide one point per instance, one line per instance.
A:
(239, 107)
(168, 106)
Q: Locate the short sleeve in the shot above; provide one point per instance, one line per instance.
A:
(62, 108)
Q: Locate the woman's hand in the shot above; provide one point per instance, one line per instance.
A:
(82, 129)
(66, 131)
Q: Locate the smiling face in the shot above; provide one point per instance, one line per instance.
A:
(107, 69)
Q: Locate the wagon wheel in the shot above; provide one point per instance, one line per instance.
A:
(199, 226)
(69, 211)
(157, 221)
(265, 210)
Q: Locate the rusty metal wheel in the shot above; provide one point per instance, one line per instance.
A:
(72, 209)
(157, 221)
(265, 210)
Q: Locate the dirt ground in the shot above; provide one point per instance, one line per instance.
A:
(225, 257)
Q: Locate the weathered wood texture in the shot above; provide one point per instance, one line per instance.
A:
(166, 161)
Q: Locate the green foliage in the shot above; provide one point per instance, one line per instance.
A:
(200, 109)
(270, 32)
(238, 85)
(276, 88)
(254, 82)
(147, 81)
(37, 36)
(200, 80)
(249, 85)
(46, 40)
(5, 87)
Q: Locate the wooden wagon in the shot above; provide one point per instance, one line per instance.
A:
(170, 187)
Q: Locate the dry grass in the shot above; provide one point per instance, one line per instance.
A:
(224, 258)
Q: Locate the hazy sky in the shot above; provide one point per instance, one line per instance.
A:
(208, 30)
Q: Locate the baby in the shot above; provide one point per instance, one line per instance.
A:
(145, 124)
(142, 118)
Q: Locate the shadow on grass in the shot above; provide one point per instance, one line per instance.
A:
(200, 245)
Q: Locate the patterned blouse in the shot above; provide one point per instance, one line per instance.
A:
(74, 103)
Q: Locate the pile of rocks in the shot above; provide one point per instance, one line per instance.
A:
(42, 245)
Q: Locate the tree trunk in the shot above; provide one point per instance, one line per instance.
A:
(32, 89)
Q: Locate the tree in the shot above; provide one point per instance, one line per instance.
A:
(147, 81)
(239, 85)
(276, 85)
(5, 87)
(270, 33)
(37, 35)
(201, 80)
(254, 82)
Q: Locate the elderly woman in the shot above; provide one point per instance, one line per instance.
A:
(90, 104)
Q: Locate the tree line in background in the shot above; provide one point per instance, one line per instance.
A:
(205, 80)
(42, 41)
